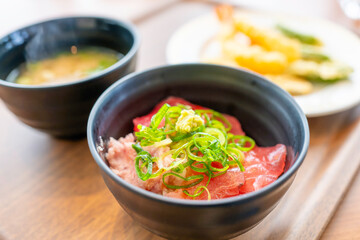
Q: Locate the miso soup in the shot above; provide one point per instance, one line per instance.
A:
(66, 66)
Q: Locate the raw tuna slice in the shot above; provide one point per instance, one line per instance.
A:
(263, 165)
(223, 186)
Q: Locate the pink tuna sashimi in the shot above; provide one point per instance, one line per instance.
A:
(121, 157)
(223, 186)
(263, 165)
(235, 125)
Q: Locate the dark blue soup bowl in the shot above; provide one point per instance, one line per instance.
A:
(62, 110)
(267, 113)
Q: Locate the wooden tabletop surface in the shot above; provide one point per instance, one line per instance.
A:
(52, 189)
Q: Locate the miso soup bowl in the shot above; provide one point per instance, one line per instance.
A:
(62, 110)
(267, 113)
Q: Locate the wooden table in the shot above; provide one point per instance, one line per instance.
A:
(52, 189)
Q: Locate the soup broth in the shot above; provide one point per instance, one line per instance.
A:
(66, 67)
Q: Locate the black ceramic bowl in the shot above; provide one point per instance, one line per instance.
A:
(267, 113)
(63, 109)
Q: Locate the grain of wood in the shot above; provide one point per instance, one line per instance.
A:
(329, 191)
(345, 224)
(312, 199)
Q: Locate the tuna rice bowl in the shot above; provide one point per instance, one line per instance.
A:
(186, 151)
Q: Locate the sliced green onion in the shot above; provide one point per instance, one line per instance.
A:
(217, 133)
(199, 169)
(219, 169)
(182, 136)
(198, 179)
(181, 167)
(197, 150)
(241, 141)
(216, 115)
(199, 190)
(137, 148)
(157, 118)
(190, 149)
(175, 164)
(147, 162)
(235, 159)
(162, 143)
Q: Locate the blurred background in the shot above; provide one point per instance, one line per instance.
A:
(17, 13)
(144, 13)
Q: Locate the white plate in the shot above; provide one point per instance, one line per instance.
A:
(195, 40)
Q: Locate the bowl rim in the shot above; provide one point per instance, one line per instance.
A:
(123, 61)
(195, 203)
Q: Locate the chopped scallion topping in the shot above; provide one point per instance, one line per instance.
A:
(198, 140)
